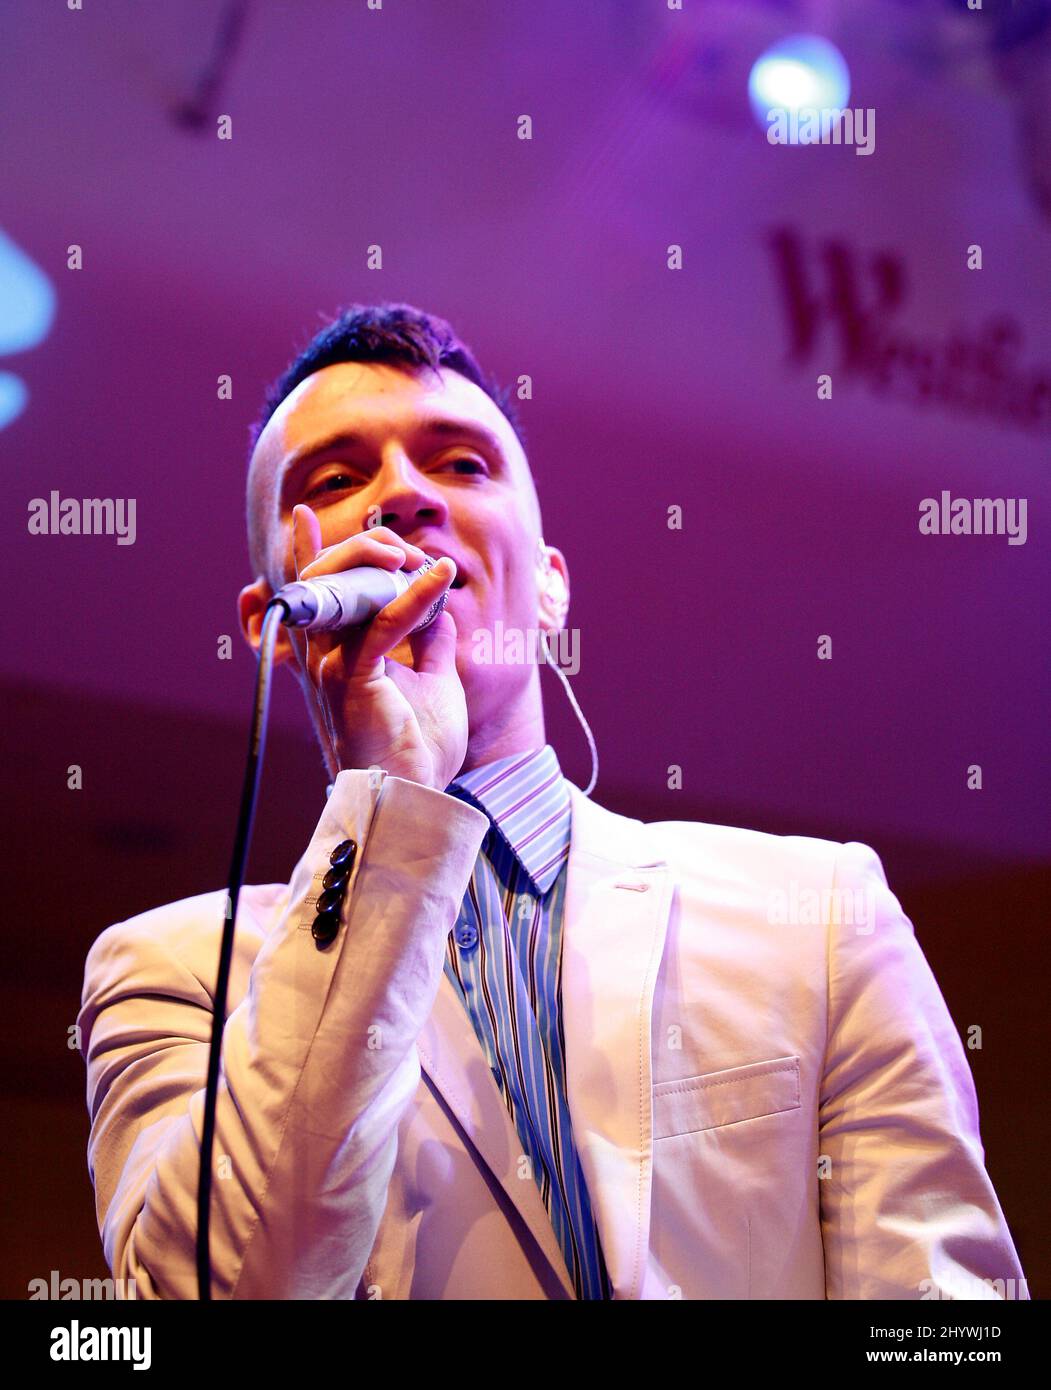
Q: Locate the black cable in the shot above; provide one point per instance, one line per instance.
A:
(200, 108)
(272, 620)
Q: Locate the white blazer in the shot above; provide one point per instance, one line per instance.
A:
(768, 1094)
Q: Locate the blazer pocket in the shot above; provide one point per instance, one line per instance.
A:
(725, 1097)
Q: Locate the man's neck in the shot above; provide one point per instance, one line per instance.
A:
(519, 729)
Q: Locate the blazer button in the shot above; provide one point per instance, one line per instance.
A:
(336, 878)
(330, 901)
(325, 927)
(343, 854)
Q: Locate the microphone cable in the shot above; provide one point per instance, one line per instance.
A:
(276, 613)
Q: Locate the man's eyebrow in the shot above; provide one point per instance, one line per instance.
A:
(436, 426)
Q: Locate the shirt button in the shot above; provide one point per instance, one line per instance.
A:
(466, 936)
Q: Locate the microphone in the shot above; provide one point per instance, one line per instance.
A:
(334, 601)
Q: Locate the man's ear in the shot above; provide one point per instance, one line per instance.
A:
(251, 605)
(552, 577)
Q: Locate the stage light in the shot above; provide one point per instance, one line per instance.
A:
(13, 397)
(27, 308)
(803, 71)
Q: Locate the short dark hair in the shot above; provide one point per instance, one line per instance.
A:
(397, 333)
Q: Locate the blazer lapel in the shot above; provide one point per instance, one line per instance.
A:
(616, 913)
(617, 902)
(452, 1057)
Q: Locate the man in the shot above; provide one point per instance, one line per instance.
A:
(493, 1041)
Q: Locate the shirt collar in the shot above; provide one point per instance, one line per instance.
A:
(527, 799)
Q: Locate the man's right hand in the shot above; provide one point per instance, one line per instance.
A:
(388, 697)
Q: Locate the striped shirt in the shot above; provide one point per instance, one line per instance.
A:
(505, 960)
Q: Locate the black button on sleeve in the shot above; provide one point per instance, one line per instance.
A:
(343, 853)
(325, 927)
(336, 878)
(330, 901)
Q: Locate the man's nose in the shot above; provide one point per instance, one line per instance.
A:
(407, 498)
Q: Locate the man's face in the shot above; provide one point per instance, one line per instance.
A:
(433, 459)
